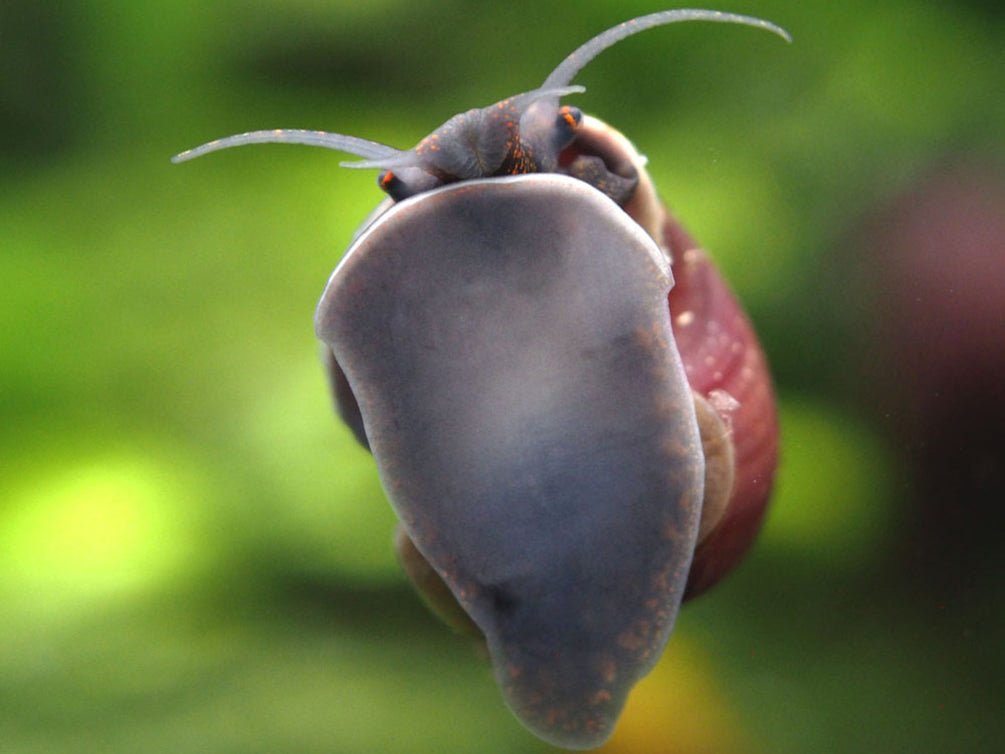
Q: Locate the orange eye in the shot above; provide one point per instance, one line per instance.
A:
(567, 125)
(572, 116)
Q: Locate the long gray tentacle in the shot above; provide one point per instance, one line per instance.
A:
(339, 142)
(586, 52)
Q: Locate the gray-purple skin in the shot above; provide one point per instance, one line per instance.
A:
(499, 336)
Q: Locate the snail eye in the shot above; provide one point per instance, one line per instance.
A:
(408, 181)
(392, 185)
(567, 125)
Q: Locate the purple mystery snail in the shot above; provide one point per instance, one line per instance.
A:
(570, 412)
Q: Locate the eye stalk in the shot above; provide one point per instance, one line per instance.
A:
(407, 182)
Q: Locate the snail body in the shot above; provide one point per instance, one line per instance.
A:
(573, 441)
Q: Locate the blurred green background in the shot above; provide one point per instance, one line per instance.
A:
(195, 556)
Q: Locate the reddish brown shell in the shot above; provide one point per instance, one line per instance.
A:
(723, 357)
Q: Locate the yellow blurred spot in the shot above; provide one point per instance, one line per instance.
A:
(97, 529)
(679, 709)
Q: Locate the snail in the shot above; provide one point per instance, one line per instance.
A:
(569, 411)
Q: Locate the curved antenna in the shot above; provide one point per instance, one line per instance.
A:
(339, 142)
(520, 103)
(575, 62)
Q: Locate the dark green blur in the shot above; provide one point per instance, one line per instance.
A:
(196, 557)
